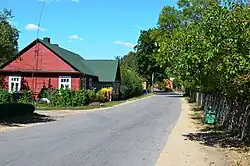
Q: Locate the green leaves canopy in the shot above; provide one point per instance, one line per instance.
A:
(8, 37)
(145, 50)
(207, 45)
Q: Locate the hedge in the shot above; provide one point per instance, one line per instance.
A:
(16, 109)
(74, 98)
(15, 104)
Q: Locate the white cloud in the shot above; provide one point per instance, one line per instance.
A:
(125, 43)
(75, 37)
(137, 26)
(31, 27)
(75, 1)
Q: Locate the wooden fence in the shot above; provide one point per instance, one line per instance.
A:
(231, 115)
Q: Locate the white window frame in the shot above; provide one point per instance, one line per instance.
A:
(65, 83)
(14, 81)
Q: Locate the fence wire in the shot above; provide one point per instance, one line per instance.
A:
(231, 115)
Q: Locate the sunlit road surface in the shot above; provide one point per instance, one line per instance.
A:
(127, 135)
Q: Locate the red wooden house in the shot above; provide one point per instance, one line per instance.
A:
(169, 83)
(43, 64)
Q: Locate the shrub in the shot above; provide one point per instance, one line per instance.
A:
(45, 93)
(56, 98)
(66, 97)
(4, 96)
(99, 96)
(131, 83)
(91, 96)
(79, 98)
(103, 94)
(15, 104)
(25, 97)
(62, 98)
(72, 98)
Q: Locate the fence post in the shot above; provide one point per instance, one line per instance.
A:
(202, 99)
(199, 99)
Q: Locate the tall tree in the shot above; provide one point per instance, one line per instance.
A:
(130, 60)
(145, 50)
(212, 50)
(8, 37)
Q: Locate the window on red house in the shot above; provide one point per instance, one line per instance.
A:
(14, 83)
(64, 82)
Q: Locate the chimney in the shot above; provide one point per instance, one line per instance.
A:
(46, 39)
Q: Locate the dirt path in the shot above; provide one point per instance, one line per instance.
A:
(180, 151)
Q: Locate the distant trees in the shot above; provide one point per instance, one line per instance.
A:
(131, 82)
(142, 59)
(130, 61)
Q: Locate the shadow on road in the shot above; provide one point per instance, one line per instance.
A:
(211, 135)
(16, 121)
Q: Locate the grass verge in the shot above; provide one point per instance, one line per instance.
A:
(89, 107)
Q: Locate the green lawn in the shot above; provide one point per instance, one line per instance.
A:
(108, 104)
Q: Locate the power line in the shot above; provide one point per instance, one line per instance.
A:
(37, 47)
(40, 18)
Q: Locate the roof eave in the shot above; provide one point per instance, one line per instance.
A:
(39, 71)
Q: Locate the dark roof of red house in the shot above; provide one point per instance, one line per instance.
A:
(105, 70)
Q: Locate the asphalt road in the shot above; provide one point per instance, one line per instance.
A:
(127, 135)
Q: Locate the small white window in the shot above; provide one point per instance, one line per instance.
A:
(64, 82)
(14, 83)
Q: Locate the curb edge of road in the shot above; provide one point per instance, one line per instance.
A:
(99, 109)
(126, 102)
(132, 101)
(163, 154)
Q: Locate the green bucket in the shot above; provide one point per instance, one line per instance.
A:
(210, 115)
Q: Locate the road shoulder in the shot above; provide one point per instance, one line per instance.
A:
(181, 151)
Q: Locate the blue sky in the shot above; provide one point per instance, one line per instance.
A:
(94, 29)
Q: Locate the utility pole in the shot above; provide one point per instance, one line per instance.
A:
(152, 87)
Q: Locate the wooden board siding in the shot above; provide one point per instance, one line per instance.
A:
(46, 59)
(48, 81)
